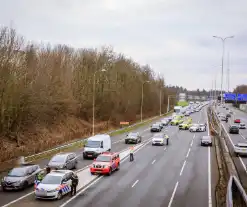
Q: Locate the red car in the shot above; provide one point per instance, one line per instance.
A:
(237, 121)
(105, 163)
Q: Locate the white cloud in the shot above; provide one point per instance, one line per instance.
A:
(173, 36)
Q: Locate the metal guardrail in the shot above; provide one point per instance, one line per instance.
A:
(235, 195)
(78, 141)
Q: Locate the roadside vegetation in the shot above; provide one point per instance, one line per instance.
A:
(47, 93)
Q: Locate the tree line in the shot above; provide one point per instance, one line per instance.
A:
(42, 85)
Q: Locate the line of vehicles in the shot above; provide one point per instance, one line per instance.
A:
(241, 147)
(57, 183)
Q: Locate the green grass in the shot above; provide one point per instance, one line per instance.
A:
(182, 103)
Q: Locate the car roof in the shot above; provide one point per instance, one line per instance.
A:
(206, 137)
(59, 172)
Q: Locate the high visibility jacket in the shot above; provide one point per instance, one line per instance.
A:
(131, 149)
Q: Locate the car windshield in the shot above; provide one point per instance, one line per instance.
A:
(92, 144)
(234, 127)
(59, 158)
(206, 138)
(103, 158)
(132, 135)
(158, 136)
(155, 125)
(52, 179)
(17, 172)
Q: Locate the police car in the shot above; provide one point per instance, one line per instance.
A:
(55, 185)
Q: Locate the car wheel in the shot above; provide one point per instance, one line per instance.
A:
(126, 142)
(110, 171)
(140, 140)
(25, 185)
(236, 154)
(4, 189)
(84, 157)
(59, 196)
(92, 173)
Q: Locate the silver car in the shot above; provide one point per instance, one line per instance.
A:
(206, 141)
(240, 148)
(242, 126)
(63, 161)
(20, 177)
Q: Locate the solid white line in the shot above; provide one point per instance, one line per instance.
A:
(153, 162)
(188, 153)
(134, 183)
(75, 196)
(209, 179)
(182, 169)
(242, 162)
(14, 201)
(173, 194)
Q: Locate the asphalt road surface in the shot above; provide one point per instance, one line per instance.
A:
(181, 174)
(232, 139)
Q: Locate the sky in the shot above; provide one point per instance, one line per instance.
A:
(174, 37)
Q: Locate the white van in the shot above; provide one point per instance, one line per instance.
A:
(96, 145)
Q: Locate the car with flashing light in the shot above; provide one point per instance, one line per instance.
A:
(63, 161)
(206, 141)
(105, 163)
(176, 121)
(185, 125)
(155, 128)
(55, 185)
(21, 177)
(234, 129)
(133, 137)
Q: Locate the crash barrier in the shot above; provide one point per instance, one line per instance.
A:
(235, 195)
(10, 163)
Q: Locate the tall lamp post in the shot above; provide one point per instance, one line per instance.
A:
(102, 70)
(223, 39)
(142, 97)
(160, 101)
(168, 102)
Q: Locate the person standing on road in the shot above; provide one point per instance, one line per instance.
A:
(74, 184)
(131, 153)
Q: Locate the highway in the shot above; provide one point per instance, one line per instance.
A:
(240, 162)
(181, 174)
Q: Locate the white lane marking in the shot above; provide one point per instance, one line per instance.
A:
(75, 196)
(146, 129)
(242, 136)
(242, 162)
(191, 143)
(188, 153)
(229, 137)
(209, 179)
(182, 169)
(209, 169)
(14, 201)
(79, 193)
(165, 148)
(153, 162)
(173, 194)
(134, 183)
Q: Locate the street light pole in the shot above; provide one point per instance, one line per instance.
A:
(160, 101)
(103, 70)
(168, 102)
(142, 97)
(222, 63)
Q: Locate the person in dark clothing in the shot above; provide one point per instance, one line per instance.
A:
(74, 184)
(48, 170)
(131, 153)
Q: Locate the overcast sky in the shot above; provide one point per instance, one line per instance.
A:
(173, 36)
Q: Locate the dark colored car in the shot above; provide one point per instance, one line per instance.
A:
(20, 177)
(233, 129)
(155, 128)
(63, 161)
(133, 138)
(228, 115)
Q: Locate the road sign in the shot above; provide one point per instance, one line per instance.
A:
(242, 97)
(229, 96)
